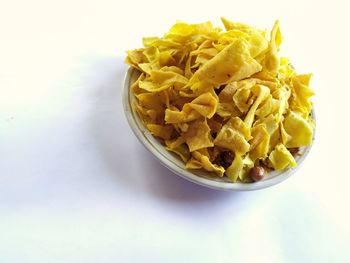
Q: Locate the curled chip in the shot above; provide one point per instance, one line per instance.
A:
(206, 92)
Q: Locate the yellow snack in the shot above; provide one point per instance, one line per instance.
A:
(280, 158)
(222, 99)
(299, 130)
(259, 145)
(234, 135)
(235, 170)
(234, 62)
(204, 105)
(200, 160)
(198, 136)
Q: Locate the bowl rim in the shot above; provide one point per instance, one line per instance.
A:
(144, 136)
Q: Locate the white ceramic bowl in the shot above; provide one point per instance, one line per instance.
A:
(175, 164)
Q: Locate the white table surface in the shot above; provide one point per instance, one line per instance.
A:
(77, 186)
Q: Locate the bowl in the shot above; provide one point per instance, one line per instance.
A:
(176, 165)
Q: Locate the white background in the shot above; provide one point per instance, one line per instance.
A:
(77, 186)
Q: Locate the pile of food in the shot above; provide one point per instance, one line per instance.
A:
(223, 100)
